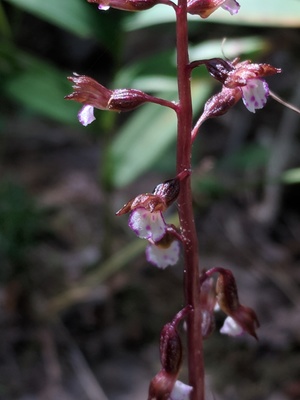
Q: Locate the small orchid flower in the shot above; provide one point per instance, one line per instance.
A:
(231, 327)
(147, 224)
(246, 76)
(241, 80)
(240, 319)
(228, 300)
(206, 7)
(163, 255)
(90, 93)
(93, 95)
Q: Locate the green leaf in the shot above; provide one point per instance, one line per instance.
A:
(291, 176)
(76, 16)
(41, 88)
(143, 140)
(231, 47)
(252, 12)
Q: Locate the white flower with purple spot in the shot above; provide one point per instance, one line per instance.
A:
(162, 256)
(180, 391)
(231, 327)
(147, 225)
(232, 6)
(255, 94)
(86, 115)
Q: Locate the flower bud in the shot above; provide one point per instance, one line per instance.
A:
(126, 99)
(221, 103)
(218, 68)
(170, 349)
(161, 386)
(169, 190)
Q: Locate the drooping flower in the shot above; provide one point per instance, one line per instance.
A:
(94, 95)
(206, 7)
(228, 300)
(90, 93)
(163, 254)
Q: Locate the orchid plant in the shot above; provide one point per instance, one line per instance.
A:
(205, 290)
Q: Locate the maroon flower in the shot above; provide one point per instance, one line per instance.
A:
(246, 76)
(93, 95)
(228, 300)
(206, 7)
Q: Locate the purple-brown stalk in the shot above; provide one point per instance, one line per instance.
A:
(186, 216)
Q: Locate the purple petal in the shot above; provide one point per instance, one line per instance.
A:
(86, 115)
(232, 6)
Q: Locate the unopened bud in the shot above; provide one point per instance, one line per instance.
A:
(126, 99)
(170, 349)
(218, 68)
(161, 386)
(221, 102)
(169, 190)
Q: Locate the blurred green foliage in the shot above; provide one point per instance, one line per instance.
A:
(40, 87)
(21, 223)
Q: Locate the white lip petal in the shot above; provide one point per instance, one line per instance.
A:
(180, 391)
(86, 115)
(255, 94)
(162, 257)
(231, 328)
(147, 225)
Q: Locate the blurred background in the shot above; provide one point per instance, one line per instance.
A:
(80, 308)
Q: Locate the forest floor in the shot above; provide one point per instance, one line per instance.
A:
(102, 341)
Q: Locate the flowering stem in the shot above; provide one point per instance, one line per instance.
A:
(186, 217)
